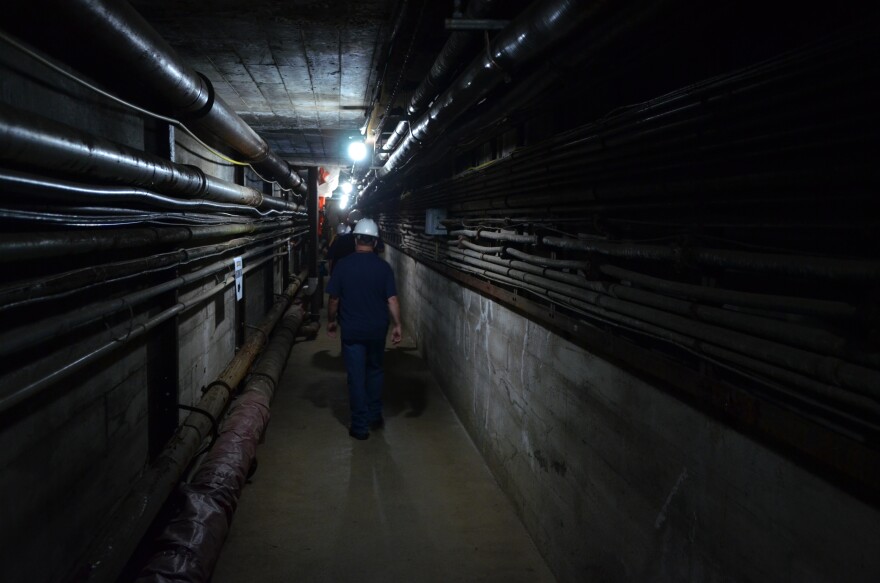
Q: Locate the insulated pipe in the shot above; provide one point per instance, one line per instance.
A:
(134, 54)
(832, 370)
(114, 546)
(118, 336)
(473, 247)
(817, 340)
(34, 333)
(459, 46)
(189, 546)
(13, 184)
(37, 142)
(496, 236)
(541, 25)
(796, 305)
(49, 287)
(698, 347)
(796, 265)
(546, 261)
(23, 246)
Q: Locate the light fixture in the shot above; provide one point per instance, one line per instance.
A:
(343, 202)
(357, 151)
(346, 187)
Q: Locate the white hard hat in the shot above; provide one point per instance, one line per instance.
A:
(366, 227)
(342, 229)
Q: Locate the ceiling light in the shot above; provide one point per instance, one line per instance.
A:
(343, 202)
(346, 187)
(357, 151)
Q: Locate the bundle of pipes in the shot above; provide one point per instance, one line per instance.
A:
(798, 351)
(126, 42)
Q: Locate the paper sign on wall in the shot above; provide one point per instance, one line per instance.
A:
(239, 288)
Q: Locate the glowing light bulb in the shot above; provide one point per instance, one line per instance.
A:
(357, 151)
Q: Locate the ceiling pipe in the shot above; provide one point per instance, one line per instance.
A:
(37, 142)
(461, 45)
(127, 43)
(543, 24)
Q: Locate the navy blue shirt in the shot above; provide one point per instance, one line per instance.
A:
(342, 247)
(363, 282)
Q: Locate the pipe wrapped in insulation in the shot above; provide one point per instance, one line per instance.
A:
(541, 25)
(189, 547)
(40, 143)
(796, 265)
(40, 245)
(460, 46)
(137, 61)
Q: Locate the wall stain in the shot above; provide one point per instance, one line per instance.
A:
(550, 464)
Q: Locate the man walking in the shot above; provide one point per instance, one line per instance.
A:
(363, 294)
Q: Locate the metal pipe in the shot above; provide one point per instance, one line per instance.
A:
(473, 247)
(796, 265)
(37, 142)
(548, 262)
(136, 60)
(39, 245)
(15, 184)
(832, 370)
(817, 389)
(27, 292)
(459, 47)
(495, 236)
(541, 25)
(797, 305)
(34, 333)
(189, 546)
(112, 548)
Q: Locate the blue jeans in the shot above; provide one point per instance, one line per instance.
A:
(363, 361)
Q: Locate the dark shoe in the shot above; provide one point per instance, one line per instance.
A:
(377, 424)
(360, 436)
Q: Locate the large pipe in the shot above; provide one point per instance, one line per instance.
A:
(15, 184)
(37, 142)
(40, 245)
(459, 46)
(190, 544)
(128, 524)
(537, 28)
(135, 58)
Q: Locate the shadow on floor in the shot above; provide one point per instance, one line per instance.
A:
(405, 388)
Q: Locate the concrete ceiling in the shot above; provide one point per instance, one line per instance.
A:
(302, 73)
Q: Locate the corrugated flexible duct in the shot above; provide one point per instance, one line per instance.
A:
(537, 28)
(120, 35)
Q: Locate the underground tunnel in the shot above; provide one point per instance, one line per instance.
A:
(633, 250)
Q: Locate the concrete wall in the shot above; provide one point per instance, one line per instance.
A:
(615, 479)
(69, 455)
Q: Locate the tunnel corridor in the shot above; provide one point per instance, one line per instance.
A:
(634, 246)
(413, 502)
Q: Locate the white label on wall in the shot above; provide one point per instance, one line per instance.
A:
(239, 287)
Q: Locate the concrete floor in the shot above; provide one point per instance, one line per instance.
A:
(415, 502)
